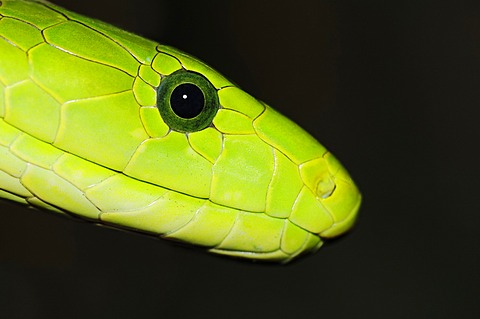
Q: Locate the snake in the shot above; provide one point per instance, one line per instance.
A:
(102, 125)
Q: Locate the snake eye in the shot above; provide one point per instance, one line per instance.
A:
(187, 101)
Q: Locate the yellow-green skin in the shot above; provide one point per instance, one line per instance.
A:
(80, 134)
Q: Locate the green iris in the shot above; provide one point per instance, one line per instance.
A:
(187, 101)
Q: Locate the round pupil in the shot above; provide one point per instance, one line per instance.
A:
(187, 100)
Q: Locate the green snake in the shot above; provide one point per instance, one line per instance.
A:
(106, 126)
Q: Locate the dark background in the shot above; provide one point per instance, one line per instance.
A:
(390, 87)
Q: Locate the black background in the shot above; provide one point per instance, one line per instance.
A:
(390, 87)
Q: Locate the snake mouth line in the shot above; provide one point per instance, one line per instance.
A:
(334, 173)
(332, 193)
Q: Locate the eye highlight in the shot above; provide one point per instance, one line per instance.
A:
(187, 101)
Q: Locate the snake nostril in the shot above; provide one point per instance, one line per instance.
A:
(325, 186)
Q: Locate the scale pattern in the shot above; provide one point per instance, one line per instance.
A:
(80, 135)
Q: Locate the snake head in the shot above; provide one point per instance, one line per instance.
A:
(273, 191)
(105, 125)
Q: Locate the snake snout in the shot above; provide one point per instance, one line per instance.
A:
(338, 193)
(337, 199)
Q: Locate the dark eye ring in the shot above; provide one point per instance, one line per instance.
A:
(187, 101)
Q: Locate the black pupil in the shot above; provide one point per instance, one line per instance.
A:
(187, 100)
